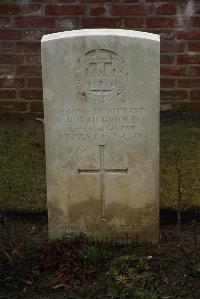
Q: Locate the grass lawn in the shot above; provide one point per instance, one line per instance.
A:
(22, 162)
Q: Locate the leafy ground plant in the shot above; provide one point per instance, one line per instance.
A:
(130, 277)
(90, 256)
(72, 262)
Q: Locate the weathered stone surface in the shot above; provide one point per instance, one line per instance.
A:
(101, 104)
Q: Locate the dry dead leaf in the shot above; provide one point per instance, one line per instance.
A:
(59, 285)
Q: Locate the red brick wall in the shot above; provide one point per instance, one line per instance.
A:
(23, 22)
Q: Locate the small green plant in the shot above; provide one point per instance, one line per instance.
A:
(90, 256)
(130, 277)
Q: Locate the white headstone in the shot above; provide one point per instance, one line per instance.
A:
(101, 105)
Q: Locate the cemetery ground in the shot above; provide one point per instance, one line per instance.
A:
(33, 267)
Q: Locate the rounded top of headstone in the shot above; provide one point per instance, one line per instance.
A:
(101, 32)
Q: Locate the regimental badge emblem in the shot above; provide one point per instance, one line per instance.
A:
(101, 75)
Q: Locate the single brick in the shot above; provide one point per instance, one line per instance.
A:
(35, 22)
(31, 94)
(13, 106)
(194, 71)
(167, 83)
(33, 59)
(31, 9)
(188, 34)
(174, 71)
(160, 22)
(194, 46)
(7, 94)
(93, 1)
(28, 47)
(187, 106)
(169, 1)
(29, 71)
(7, 46)
(101, 22)
(98, 11)
(34, 82)
(173, 95)
(132, 1)
(11, 83)
(167, 59)
(189, 83)
(188, 59)
(11, 59)
(59, 1)
(172, 47)
(129, 10)
(166, 9)
(10, 34)
(64, 10)
(9, 9)
(134, 22)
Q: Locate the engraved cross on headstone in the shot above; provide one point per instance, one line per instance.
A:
(102, 170)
